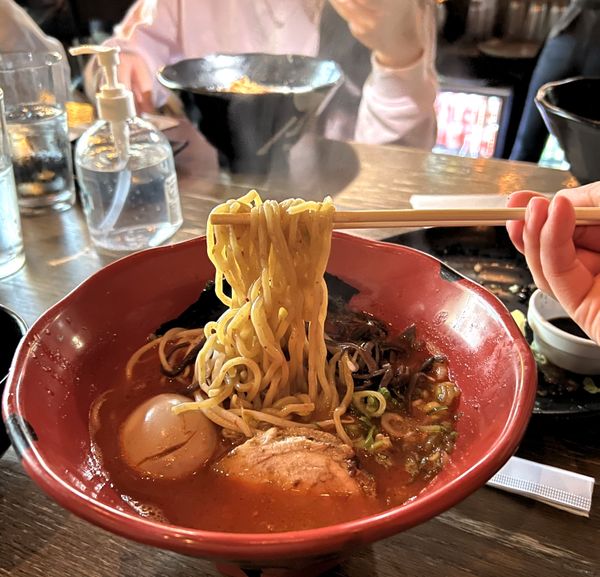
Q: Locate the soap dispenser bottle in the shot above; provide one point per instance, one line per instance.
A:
(125, 169)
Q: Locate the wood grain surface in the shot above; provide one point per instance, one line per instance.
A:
(490, 534)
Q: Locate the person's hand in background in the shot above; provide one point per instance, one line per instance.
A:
(392, 29)
(564, 259)
(134, 73)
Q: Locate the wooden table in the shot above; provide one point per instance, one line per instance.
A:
(490, 534)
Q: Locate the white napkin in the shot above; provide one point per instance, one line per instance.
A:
(426, 201)
(565, 490)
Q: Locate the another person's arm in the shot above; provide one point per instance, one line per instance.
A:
(563, 258)
(398, 98)
(148, 38)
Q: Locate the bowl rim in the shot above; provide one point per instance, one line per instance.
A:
(290, 544)
(172, 85)
(541, 100)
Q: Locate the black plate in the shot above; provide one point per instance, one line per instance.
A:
(486, 255)
(12, 329)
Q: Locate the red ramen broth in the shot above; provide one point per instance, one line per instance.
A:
(422, 420)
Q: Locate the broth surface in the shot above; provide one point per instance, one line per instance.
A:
(211, 501)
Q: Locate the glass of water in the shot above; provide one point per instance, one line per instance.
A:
(12, 256)
(35, 93)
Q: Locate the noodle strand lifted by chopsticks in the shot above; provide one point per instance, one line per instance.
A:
(265, 359)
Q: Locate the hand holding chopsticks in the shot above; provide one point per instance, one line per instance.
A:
(348, 219)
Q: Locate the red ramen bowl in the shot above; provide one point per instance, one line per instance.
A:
(75, 351)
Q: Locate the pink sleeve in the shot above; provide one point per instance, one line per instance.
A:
(397, 105)
(150, 29)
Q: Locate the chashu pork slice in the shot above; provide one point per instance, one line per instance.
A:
(299, 459)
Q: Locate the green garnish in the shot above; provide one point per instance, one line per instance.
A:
(365, 421)
(383, 459)
(370, 439)
(437, 409)
(367, 442)
(590, 386)
(537, 355)
(372, 405)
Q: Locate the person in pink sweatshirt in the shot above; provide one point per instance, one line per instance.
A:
(391, 102)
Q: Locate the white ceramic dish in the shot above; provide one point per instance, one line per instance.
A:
(576, 354)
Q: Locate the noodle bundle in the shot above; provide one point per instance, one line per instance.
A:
(265, 359)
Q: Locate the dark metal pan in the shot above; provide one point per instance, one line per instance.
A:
(486, 255)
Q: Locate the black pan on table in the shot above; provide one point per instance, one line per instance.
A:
(486, 255)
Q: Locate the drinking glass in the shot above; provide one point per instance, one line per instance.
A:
(35, 92)
(12, 256)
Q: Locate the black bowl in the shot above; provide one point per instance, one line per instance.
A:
(251, 131)
(571, 110)
(12, 329)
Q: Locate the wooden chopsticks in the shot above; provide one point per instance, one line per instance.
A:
(347, 219)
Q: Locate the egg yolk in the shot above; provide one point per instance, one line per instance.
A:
(157, 442)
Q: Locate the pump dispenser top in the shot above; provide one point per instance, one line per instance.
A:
(114, 100)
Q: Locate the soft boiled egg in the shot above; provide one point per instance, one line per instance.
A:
(157, 442)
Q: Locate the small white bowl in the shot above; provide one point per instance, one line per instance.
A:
(570, 352)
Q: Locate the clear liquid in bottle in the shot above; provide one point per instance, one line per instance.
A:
(129, 204)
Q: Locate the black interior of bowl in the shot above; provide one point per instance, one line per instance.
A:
(277, 71)
(484, 254)
(11, 331)
(252, 133)
(580, 97)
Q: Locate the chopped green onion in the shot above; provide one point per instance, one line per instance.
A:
(384, 391)
(369, 439)
(411, 467)
(372, 405)
(366, 421)
(382, 443)
(369, 403)
(434, 456)
(374, 441)
(353, 429)
(446, 392)
(437, 409)
(590, 386)
(383, 459)
(537, 355)
(434, 407)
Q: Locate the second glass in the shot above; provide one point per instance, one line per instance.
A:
(12, 257)
(35, 92)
